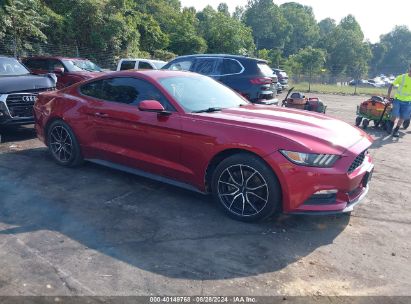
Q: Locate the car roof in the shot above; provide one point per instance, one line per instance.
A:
(3, 56)
(151, 60)
(153, 74)
(223, 56)
(55, 57)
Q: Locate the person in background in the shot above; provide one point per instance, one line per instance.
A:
(402, 101)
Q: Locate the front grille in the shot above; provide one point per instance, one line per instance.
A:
(21, 104)
(357, 161)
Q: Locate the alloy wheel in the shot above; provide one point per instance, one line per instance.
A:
(61, 143)
(243, 190)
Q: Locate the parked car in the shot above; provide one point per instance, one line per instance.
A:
(18, 91)
(250, 77)
(282, 77)
(139, 63)
(68, 70)
(255, 159)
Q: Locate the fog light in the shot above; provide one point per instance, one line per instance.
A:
(326, 192)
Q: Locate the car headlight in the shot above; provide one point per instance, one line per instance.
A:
(310, 159)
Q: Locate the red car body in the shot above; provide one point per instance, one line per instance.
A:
(48, 64)
(184, 146)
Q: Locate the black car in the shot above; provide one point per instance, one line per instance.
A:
(18, 91)
(251, 77)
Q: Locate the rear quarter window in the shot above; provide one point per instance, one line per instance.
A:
(144, 65)
(231, 66)
(127, 65)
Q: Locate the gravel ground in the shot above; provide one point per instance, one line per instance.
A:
(96, 231)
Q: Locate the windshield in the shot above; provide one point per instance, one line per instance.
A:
(200, 93)
(11, 67)
(75, 65)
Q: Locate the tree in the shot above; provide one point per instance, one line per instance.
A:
(225, 34)
(22, 23)
(327, 27)
(223, 8)
(270, 28)
(348, 54)
(304, 30)
(397, 56)
(309, 60)
(184, 38)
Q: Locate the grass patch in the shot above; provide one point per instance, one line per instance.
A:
(337, 89)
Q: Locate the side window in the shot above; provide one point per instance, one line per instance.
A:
(206, 66)
(184, 65)
(144, 65)
(125, 90)
(55, 64)
(231, 66)
(36, 64)
(127, 65)
(92, 89)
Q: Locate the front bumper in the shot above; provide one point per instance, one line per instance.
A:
(300, 184)
(6, 119)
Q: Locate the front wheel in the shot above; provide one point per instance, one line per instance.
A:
(63, 145)
(246, 188)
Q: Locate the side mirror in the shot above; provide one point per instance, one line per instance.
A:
(58, 71)
(152, 106)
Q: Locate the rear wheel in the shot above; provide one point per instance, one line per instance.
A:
(63, 145)
(246, 188)
(365, 123)
(358, 121)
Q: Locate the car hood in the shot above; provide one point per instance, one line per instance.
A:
(12, 84)
(313, 132)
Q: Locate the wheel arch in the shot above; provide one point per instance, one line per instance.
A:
(47, 126)
(220, 156)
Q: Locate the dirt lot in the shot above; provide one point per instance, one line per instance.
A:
(96, 231)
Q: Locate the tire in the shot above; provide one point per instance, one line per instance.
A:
(241, 172)
(358, 121)
(406, 124)
(365, 123)
(63, 144)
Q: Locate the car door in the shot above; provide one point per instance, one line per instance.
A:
(123, 134)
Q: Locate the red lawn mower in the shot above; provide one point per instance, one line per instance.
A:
(298, 101)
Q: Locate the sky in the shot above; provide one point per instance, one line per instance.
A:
(375, 17)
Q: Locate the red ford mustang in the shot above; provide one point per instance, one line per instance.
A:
(193, 132)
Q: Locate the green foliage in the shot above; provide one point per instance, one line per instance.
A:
(184, 38)
(308, 60)
(164, 55)
(270, 28)
(225, 34)
(286, 35)
(348, 54)
(396, 51)
(304, 30)
(22, 23)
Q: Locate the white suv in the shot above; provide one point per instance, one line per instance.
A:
(139, 63)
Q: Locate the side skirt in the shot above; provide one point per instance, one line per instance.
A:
(145, 174)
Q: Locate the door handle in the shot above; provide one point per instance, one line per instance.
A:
(102, 115)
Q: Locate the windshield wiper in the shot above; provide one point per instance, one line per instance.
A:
(209, 110)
